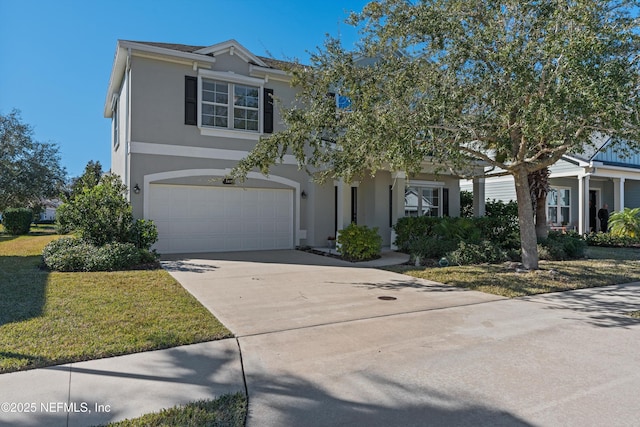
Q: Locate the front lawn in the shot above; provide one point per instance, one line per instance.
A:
(604, 266)
(229, 410)
(49, 318)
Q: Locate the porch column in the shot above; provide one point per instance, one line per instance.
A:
(397, 203)
(618, 194)
(583, 204)
(478, 197)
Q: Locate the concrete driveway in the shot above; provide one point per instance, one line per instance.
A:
(320, 348)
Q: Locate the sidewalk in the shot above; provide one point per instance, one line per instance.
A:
(111, 389)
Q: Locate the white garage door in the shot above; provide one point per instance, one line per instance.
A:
(215, 219)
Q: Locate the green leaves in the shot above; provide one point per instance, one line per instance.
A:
(100, 214)
(625, 223)
(29, 170)
(450, 82)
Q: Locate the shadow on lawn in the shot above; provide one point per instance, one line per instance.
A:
(23, 288)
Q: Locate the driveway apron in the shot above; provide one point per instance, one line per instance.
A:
(321, 348)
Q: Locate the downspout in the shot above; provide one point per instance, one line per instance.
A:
(127, 142)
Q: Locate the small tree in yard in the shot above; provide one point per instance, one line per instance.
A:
(101, 214)
(89, 179)
(514, 84)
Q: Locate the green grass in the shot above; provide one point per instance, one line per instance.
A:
(635, 314)
(228, 410)
(604, 266)
(49, 318)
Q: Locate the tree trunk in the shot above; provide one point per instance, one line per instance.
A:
(539, 188)
(528, 241)
(542, 230)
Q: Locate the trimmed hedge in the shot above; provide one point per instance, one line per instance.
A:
(17, 221)
(429, 237)
(72, 254)
(609, 240)
(491, 239)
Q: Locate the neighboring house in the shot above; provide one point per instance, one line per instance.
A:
(182, 117)
(49, 208)
(580, 186)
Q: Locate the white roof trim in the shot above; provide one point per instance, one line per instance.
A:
(269, 73)
(233, 48)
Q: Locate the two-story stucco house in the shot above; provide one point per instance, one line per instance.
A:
(182, 116)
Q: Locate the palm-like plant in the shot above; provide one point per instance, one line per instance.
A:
(625, 223)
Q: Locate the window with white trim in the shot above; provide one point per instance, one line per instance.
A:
(422, 201)
(229, 105)
(559, 206)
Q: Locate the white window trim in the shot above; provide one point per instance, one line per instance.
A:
(229, 77)
(436, 185)
(558, 206)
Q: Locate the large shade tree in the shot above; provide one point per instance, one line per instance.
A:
(29, 170)
(513, 84)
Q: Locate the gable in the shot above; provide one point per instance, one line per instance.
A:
(231, 48)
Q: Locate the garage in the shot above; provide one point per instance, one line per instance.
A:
(220, 219)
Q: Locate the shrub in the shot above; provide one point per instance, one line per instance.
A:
(63, 220)
(143, 233)
(67, 254)
(466, 204)
(359, 243)
(113, 256)
(610, 240)
(562, 246)
(625, 223)
(477, 253)
(457, 229)
(503, 231)
(498, 208)
(100, 214)
(410, 229)
(73, 254)
(17, 221)
(431, 247)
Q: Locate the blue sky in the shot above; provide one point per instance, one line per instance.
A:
(56, 56)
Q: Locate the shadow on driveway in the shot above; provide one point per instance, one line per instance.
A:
(294, 401)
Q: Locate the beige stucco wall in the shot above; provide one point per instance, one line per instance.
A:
(118, 153)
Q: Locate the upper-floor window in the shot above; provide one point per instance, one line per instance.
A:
(230, 105)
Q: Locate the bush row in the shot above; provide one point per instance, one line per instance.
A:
(491, 239)
(73, 254)
(611, 240)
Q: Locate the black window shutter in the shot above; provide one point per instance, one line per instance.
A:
(445, 202)
(268, 110)
(190, 100)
